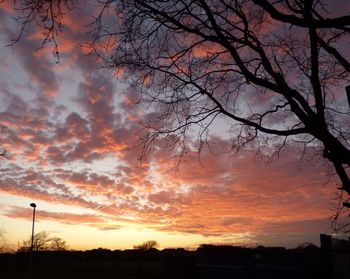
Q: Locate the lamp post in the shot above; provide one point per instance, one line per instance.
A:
(32, 244)
(34, 206)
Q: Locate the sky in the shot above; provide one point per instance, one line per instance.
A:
(71, 131)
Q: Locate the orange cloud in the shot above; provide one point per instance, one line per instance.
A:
(218, 193)
(62, 217)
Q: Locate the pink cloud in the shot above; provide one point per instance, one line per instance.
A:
(62, 217)
(225, 202)
(74, 127)
(218, 193)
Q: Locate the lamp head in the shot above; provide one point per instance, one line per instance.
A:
(33, 205)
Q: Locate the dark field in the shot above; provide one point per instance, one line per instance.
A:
(208, 262)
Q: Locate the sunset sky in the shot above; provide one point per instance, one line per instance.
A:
(71, 131)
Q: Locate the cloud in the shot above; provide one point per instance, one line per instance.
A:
(62, 217)
(217, 194)
(37, 66)
(40, 186)
(223, 196)
(107, 227)
(67, 124)
(74, 127)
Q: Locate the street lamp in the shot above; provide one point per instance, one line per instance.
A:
(34, 206)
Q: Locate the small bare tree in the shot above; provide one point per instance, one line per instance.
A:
(4, 245)
(57, 244)
(147, 245)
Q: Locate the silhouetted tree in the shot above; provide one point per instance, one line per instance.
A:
(57, 244)
(274, 70)
(43, 242)
(147, 245)
(308, 246)
(4, 245)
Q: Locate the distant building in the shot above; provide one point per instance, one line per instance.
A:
(338, 251)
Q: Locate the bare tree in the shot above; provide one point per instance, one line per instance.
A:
(147, 245)
(47, 14)
(58, 244)
(4, 245)
(43, 242)
(274, 70)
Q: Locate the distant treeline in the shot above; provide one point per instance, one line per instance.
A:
(206, 262)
